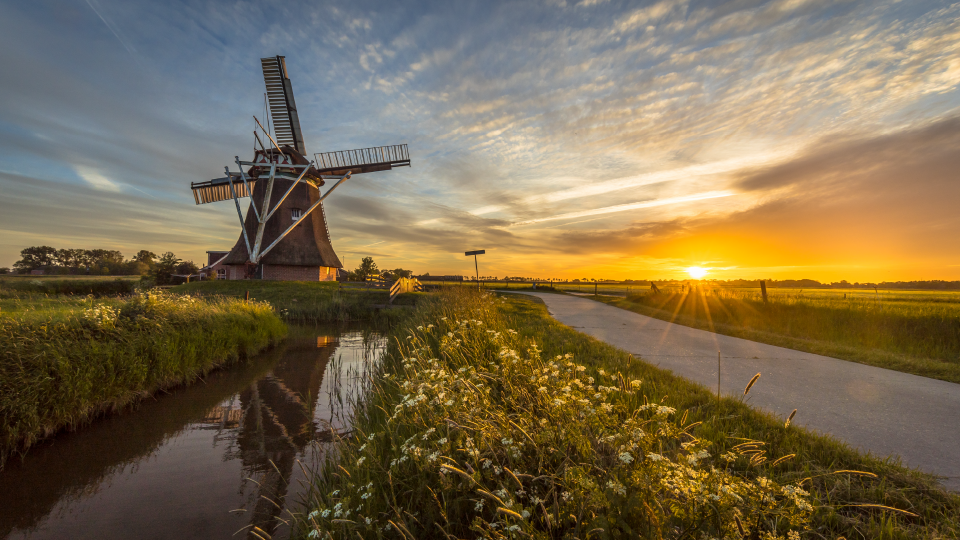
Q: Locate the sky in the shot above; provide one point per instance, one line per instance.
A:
(569, 139)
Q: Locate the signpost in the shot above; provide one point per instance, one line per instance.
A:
(475, 266)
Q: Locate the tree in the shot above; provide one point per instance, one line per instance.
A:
(186, 268)
(367, 268)
(398, 273)
(35, 257)
(134, 268)
(145, 257)
(165, 267)
(64, 258)
(4, 270)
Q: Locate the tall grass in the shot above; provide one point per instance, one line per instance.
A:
(303, 300)
(62, 367)
(904, 332)
(95, 287)
(490, 420)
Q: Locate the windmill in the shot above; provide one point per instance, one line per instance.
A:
(284, 235)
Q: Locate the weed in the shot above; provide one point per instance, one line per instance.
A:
(62, 366)
(488, 419)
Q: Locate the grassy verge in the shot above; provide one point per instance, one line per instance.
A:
(490, 419)
(302, 300)
(918, 337)
(95, 287)
(62, 366)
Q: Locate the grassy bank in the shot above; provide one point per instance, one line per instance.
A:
(302, 300)
(907, 332)
(64, 360)
(489, 419)
(81, 287)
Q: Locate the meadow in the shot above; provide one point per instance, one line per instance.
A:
(301, 300)
(488, 419)
(77, 286)
(910, 331)
(66, 359)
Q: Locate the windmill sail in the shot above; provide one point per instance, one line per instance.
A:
(284, 232)
(283, 109)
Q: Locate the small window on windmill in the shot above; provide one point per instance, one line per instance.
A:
(295, 213)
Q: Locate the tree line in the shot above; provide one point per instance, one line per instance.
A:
(368, 269)
(101, 262)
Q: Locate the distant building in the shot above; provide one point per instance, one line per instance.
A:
(214, 268)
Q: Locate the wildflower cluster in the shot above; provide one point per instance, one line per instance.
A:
(101, 315)
(484, 437)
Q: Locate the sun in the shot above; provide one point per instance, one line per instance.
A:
(696, 272)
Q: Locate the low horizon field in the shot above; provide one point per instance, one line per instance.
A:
(914, 332)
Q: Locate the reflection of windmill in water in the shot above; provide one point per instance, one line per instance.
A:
(278, 423)
(284, 235)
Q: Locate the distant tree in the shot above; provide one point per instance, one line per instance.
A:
(4, 270)
(186, 268)
(134, 268)
(64, 258)
(145, 257)
(35, 257)
(165, 267)
(398, 273)
(367, 269)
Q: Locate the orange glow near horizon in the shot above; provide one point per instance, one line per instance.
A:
(697, 272)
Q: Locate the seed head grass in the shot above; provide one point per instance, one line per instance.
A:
(313, 301)
(489, 420)
(64, 360)
(906, 331)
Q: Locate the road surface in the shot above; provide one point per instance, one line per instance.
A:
(874, 409)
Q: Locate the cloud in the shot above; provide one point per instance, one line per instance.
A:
(683, 173)
(838, 161)
(883, 204)
(513, 112)
(631, 206)
(96, 179)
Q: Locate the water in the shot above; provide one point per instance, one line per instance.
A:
(209, 461)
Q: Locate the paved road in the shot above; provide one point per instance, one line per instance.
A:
(885, 412)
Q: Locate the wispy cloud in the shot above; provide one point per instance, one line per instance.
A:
(630, 206)
(515, 113)
(96, 179)
(592, 189)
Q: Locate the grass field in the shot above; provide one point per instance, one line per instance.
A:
(301, 300)
(76, 287)
(13, 278)
(490, 419)
(66, 359)
(911, 331)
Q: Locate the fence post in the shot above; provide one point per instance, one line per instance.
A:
(595, 288)
(247, 298)
(763, 290)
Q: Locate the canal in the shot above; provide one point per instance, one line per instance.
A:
(222, 458)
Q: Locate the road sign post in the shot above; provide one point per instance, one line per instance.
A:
(476, 267)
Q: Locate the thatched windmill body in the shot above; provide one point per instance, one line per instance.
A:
(284, 235)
